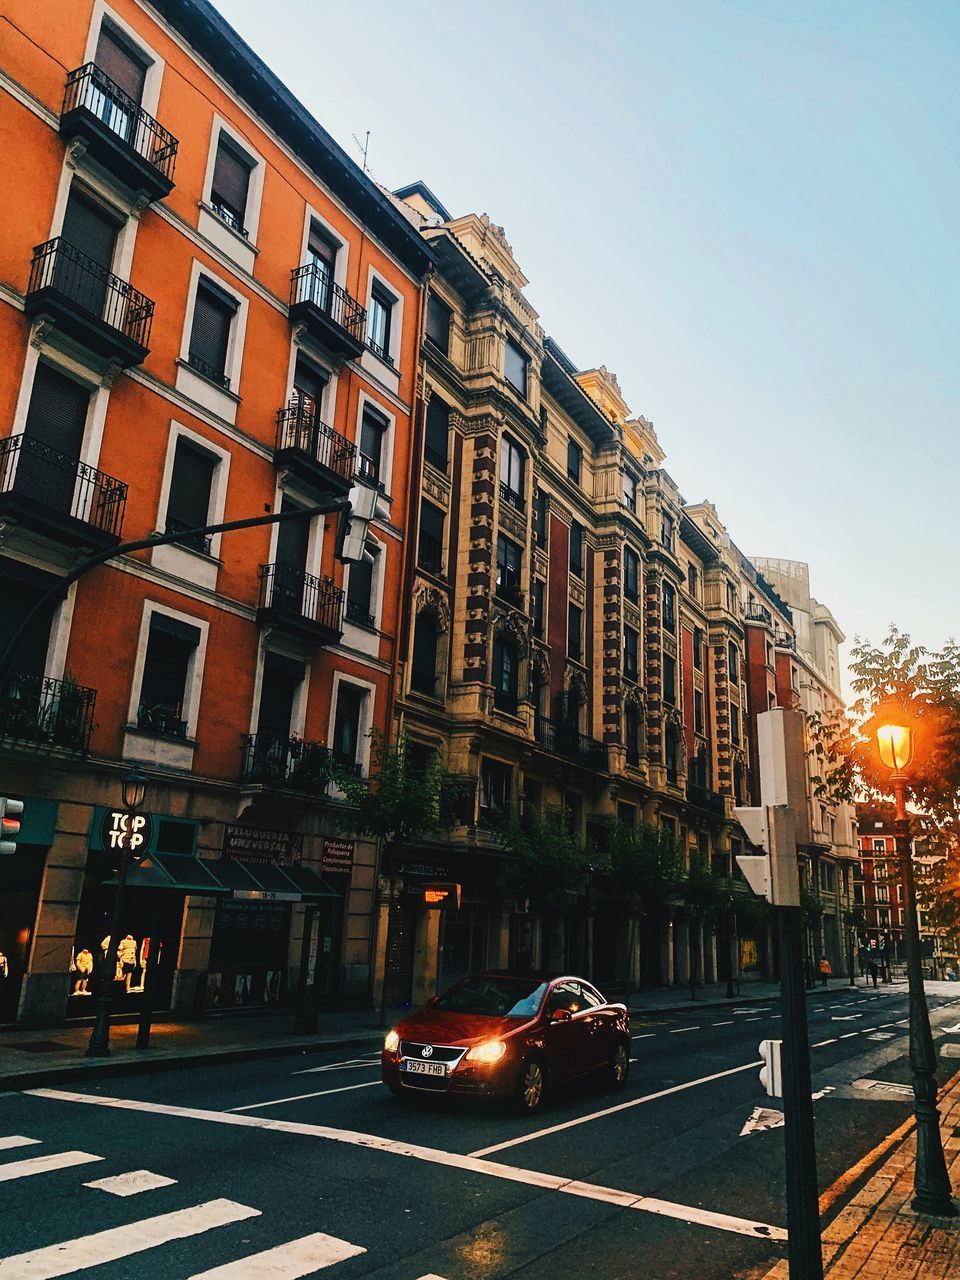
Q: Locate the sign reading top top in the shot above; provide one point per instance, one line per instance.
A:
(127, 832)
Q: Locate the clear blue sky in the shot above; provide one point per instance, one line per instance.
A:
(747, 210)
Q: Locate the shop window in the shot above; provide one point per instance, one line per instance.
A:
(574, 461)
(516, 367)
(346, 724)
(506, 665)
(631, 575)
(188, 503)
(631, 639)
(574, 633)
(213, 316)
(576, 549)
(669, 680)
(423, 667)
(436, 443)
(495, 780)
(430, 538)
(379, 319)
(439, 317)
(168, 667)
(230, 188)
(373, 429)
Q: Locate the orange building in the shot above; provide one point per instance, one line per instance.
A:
(207, 312)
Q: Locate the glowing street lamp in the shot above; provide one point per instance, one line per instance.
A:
(931, 1184)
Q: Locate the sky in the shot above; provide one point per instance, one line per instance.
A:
(747, 210)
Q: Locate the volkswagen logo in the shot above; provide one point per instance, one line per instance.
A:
(427, 1050)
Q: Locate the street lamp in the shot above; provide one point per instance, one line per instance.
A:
(931, 1184)
(133, 791)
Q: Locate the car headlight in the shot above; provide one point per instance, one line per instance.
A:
(391, 1042)
(489, 1051)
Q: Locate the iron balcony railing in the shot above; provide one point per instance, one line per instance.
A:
(293, 591)
(90, 88)
(380, 351)
(783, 641)
(704, 798)
(566, 740)
(512, 498)
(162, 719)
(66, 270)
(34, 470)
(208, 370)
(312, 284)
(757, 613)
(195, 541)
(40, 712)
(359, 613)
(299, 428)
(281, 760)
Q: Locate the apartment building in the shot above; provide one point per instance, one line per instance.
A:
(208, 313)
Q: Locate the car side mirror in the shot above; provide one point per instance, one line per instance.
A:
(560, 1015)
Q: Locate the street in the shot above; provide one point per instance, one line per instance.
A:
(285, 1167)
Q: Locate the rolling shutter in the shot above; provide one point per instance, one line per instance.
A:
(123, 67)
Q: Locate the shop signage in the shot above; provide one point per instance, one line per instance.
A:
(264, 895)
(337, 857)
(129, 832)
(429, 870)
(253, 844)
(442, 895)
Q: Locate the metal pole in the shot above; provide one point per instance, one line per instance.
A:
(732, 926)
(803, 1204)
(144, 1022)
(386, 955)
(931, 1183)
(99, 1046)
(305, 1021)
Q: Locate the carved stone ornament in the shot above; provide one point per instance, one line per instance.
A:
(632, 697)
(41, 327)
(75, 151)
(111, 373)
(573, 682)
(540, 664)
(139, 205)
(429, 599)
(513, 625)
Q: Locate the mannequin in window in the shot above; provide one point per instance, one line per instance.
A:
(126, 958)
(83, 966)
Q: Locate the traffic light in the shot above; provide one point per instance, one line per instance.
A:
(354, 522)
(772, 826)
(770, 1071)
(10, 811)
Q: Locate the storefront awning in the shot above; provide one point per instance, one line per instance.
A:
(175, 873)
(180, 873)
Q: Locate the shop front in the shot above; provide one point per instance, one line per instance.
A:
(21, 877)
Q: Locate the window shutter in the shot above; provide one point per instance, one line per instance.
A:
(308, 383)
(438, 323)
(89, 229)
(321, 248)
(371, 436)
(231, 179)
(121, 65)
(58, 411)
(210, 335)
(189, 501)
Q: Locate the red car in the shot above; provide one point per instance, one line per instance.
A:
(508, 1036)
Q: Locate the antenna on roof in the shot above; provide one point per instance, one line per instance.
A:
(364, 146)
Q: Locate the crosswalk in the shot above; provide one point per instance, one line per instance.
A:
(301, 1257)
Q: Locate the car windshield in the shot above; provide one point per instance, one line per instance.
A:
(495, 997)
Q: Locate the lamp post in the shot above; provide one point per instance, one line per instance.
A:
(134, 790)
(931, 1184)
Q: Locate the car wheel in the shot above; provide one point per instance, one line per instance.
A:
(619, 1067)
(531, 1083)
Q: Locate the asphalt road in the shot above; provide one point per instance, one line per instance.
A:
(291, 1167)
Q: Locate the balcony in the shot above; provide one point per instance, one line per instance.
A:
(566, 740)
(312, 451)
(359, 614)
(704, 798)
(784, 641)
(328, 312)
(757, 613)
(44, 714)
(512, 498)
(285, 763)
(88, 303)
(297, 602)
(58, 497)
(162, 720)
(117, 132)
(199, 542)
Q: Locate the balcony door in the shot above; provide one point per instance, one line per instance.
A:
(308, 386)
(82, 276)
(53, 437)
(123, 71)
(278, 691)
(293, 537)
(322, 257)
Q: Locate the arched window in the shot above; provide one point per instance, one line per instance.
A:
(423, 673)
(671, 752)
(505, 675)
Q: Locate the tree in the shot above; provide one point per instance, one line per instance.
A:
(706, 896)
(549, 861)
(645, 865)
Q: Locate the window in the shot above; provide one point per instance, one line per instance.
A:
(378, 323)
(631, 574)
(359, 594)
(828, 882)
(505, 675)
(626, 814)
(231, 184)
(669, 680)
(308, 387)
(666, 530)
(437, 434)
(671, 752)
(322, 260)
(630, 491)
(430, 538)
(494, 785)
(698, 711)
(167, 670)
(373, 428)
(512, 463)
(733, 662)
(693, 581)
(630, 652)
(735, 725)
(509, 560)
(536, 607)
(423, 672)
(53, 438)
(117, 60)
(669, 608)
(879, 846)
(541, 505)
(731, 598)
(574, 633)
(213, 314)
(576, 549)
(188, 504)
(515, 367)
(574, 460)
(346, 724)
(439, 316)
(698, 769)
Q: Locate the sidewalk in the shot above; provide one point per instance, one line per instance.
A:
(31, 1058)
(878, 1234)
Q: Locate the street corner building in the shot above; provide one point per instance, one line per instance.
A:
(207, 313)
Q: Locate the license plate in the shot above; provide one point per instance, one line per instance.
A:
(415, 1068)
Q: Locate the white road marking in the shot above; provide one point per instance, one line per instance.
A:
(761, 1119)
(609, 1111)
(353, 1064)
(881, 1035)
(821, 1043)
(44, 1164)
(120, 1242)
(847, 1034)
(468, 1163)
(431, 1276)
(648, 1035)
(299, 1097)
(131, 1184)
(728, 1023)
(822, 1093)
(845, 1017)
(753, 1019)
(680, 1030)
(288, 1261)
(15, 1140)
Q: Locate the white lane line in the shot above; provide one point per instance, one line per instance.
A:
(648, 1035)
(354, 1064)
(44, 1164)
(821, 1043)
(288, 1261)
(728, 1023)
(753, 1019)
(431, 1276)
(848, 1034)
(131, 1184)
(299, 1097)
(431, 1155)
(680, 1030)
(609, 1111)
(101, 1247)
(15, 1140)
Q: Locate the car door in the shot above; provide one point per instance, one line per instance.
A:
(567, 1037)
(602, 1022)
